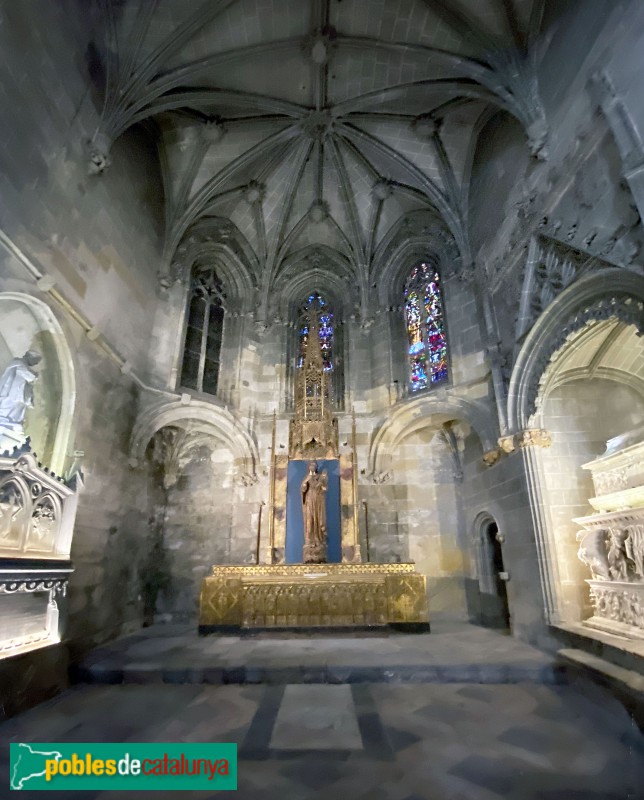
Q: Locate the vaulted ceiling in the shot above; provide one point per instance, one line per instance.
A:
(316, 126)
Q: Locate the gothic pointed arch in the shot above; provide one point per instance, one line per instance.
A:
(607, 294)
(216, 272)
(197, 419)
(409, 415)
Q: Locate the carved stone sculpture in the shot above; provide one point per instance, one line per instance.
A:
(16, 390)
(617, 558)
(314, 488)
(635, 548)
(11, 511)
(612, 542)
(592, 551)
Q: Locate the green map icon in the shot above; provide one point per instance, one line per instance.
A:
(30, 763)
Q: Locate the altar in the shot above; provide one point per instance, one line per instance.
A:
(313, 575)
(281, 596)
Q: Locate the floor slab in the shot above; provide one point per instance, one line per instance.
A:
(316, 718)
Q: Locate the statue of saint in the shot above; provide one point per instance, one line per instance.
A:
(16, 389)
(314, 488)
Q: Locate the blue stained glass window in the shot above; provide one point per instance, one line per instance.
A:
(424, 318)
(318, 303)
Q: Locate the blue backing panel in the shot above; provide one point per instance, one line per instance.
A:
(294, 521)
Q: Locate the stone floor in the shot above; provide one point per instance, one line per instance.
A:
(417, 739)
(451, 652)
(367, 741)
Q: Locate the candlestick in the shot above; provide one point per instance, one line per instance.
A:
(271, 520)
(259, 530)
(354, 479)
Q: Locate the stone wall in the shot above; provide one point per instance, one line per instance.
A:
(96, 239)
(198, 531)
(97, 236)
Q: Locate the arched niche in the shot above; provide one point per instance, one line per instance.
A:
(28, 323)
(415, 414)
(578, 376)
(614, 294)
(198, 419)
(592, 392)
(416, 504)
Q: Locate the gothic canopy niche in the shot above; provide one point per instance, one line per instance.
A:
(316, 124)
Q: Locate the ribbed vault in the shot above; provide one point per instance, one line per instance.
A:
(317, 124)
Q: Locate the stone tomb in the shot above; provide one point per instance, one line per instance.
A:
(37, 513)
(612, 542)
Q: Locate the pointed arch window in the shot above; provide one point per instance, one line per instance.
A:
(317, 303)
(425, 323)
(202, 350)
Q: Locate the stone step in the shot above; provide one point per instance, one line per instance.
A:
(625, 684)
(452, 653)
(146, 672)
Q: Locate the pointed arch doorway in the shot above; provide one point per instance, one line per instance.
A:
(493, 594)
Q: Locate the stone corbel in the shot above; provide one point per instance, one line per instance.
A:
(507, 444)
(491, 457)
(533, 437)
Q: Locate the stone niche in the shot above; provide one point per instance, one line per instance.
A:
(37, 512)
(612, 539)
(37, 507)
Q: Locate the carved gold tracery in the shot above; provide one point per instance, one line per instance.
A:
(314, 430)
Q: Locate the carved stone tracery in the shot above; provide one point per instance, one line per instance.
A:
(31, 508)
(623, 307)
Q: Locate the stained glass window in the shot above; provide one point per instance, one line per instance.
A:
(201, 354)
(319, 304)
(424, 318)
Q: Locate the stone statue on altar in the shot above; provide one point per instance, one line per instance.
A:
(16, 390)
(314, 488)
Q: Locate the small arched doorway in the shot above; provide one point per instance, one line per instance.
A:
(493, 595)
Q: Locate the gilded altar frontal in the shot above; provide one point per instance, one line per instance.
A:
(322, 393)
(302, 596)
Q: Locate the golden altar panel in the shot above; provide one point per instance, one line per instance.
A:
(313, 596)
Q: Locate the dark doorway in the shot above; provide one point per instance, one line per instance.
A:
(495, 610)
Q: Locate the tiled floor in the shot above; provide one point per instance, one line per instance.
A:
(459, 714)
(368, 741)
